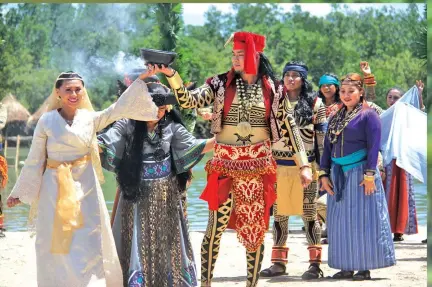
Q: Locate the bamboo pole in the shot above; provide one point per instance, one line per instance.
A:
(17, 152)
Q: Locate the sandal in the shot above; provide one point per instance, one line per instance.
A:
(398, 237)
(271, 272)
(343, 275)
(362, 275)
(314, 272)
(324, 233)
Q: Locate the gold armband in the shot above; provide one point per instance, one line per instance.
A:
(175, 81)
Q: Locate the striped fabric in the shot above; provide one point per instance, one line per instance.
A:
(411, 225)
(358, 226)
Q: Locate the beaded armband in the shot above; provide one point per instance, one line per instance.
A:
(369, 80)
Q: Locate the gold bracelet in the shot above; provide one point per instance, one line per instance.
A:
(369, 177)
(322, 173)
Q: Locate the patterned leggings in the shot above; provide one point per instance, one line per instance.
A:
(313, 229)
(218, 221)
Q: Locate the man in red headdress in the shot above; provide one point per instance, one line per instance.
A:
(242, 173)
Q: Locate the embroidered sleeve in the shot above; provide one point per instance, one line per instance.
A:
(135, 103)
(29, 182)
(198, 98)
(290, 131)
(186, 149)
(112, 144)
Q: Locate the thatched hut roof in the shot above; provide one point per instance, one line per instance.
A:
(36, 116)
(15, 111)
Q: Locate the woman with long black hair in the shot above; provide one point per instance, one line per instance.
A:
(152, 162)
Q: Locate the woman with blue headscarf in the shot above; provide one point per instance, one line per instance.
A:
(329, 86)
(328, 92)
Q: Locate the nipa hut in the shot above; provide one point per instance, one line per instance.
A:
(34, 118)
(17, 116)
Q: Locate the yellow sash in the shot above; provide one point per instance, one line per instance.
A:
(68, 216)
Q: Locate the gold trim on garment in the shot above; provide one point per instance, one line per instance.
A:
(175, 81)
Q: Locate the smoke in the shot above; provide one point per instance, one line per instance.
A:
(110, 59)
(124, 63)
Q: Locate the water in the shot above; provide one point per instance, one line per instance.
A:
(16, 218)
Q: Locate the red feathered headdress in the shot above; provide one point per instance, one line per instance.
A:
(251, 43)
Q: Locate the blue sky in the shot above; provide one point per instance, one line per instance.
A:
(193, 13)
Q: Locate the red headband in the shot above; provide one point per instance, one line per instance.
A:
(251, 43)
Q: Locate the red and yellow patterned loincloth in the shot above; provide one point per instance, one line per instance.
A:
(249, 172)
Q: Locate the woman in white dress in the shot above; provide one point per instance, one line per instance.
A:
(61, 180)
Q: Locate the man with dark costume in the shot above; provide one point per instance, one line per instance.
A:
(247, 117)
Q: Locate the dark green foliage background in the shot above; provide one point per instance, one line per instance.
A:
(37, 41)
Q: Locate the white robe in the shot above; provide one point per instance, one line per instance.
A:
(404, 135)
(92, 260)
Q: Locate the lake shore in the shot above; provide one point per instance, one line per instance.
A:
(18, 263)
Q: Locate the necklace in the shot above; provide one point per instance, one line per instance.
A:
(247, 98)
(69, 122)
(159, 153)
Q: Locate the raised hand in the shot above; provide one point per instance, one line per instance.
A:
(365, 68)
(420, 86)
(167, 71)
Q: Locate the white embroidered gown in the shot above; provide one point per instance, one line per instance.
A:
(92, 260)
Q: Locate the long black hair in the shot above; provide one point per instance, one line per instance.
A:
(336, 95)
(303, 110)
(131, 165)
(265, 68)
